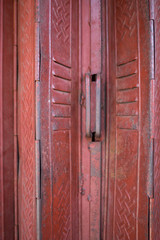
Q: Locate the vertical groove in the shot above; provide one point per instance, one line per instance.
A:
(1, 118)
(115, 165)
(152, 115)
(37, 121)
(139, 78)
(152, 78)
(15, 86)
(79, 112)
(49, 120)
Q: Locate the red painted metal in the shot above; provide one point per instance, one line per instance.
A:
(97, 136)
(26, 119)
(95, 91)
(95, 190)
(129, 120)
(156, 223)
(88, 104)
(93, 146)
(59, 119)
(15, 88)
(1, 123)
(98, 106)
(6, 121)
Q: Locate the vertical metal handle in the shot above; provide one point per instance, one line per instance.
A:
(88, 104)
(98, 106)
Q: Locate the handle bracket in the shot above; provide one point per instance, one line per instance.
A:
(88, 104)
(98, 106)
(97, 113)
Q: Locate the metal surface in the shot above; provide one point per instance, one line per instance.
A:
(26, 120)
(1, 123)
(115, 183)
(88, 104)
(98, 106)
(156, 223)
(93, 94)
(95, 192)
(152, 49)
(15, 88)
(93, 148)
(129, 121)
(7, 221)
(151, 219)
(59, 119)
(96, 35)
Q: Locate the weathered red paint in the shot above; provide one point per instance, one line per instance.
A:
(156, 223)
(26, 120)
(99, 140)
(15, 88)
(59, 119)
(1, 123)
(129, 121)
(93, 62)
(6, 121)
(95, 190)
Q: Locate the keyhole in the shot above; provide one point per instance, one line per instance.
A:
(94, 77)
(93, 136)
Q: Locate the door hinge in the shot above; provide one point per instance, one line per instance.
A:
(152, 39)
(38, 169)
(152, 109)
(150, 219)
(152, 91)
(151, 171)
(37, 109)
(37, 104)
(37, 139)
(152, 106)
(38, 186)
(152, 50)
(151, 158)
(37, 41)
(16, 186)
(38, 158)
(151, 9)
(37, 119)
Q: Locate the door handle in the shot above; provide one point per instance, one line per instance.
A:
(88, 104)
(98, 106)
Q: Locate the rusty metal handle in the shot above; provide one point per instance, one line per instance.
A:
(88, 104)
(98, 106)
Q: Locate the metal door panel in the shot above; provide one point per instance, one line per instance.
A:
(129, 91)
(92, 186)
(26, 120)
(59, 119)
(95, 190)
(6, 122)
(156, 132)
(93, 118)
